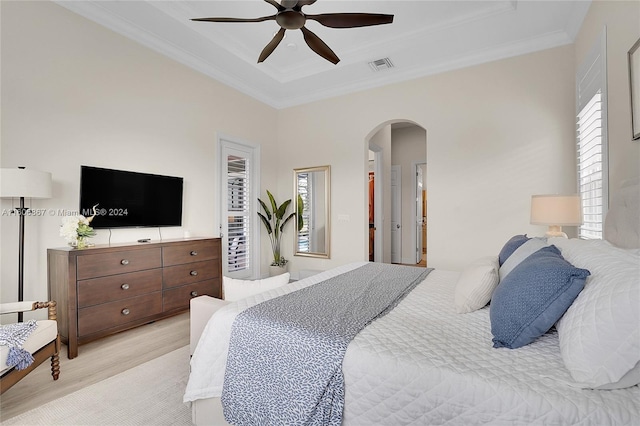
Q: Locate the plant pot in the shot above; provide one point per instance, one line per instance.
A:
(278, 270)
(80, 243)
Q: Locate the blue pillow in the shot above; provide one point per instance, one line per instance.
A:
(511, 246)
(520, 254)
(533, 297)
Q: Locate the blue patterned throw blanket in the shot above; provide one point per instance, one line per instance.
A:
(284, 365)
(14, 336)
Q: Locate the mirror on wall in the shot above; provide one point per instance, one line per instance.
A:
(311, 198)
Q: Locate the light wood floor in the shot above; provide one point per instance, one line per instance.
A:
(96, 361)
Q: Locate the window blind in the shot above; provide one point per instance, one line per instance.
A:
(591, 135)
(238, 213)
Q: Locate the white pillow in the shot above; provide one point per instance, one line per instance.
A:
(476, 284)
(600, 332)
(521, 253)
(234, 289)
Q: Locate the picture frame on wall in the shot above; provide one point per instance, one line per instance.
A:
(634, 85)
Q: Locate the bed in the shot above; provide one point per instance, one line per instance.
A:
(426, 363)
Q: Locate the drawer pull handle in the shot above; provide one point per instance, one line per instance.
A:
(125, 311)
(193, 253)
(124, 262)
(193, 273)
(125, 286)
(194, 293)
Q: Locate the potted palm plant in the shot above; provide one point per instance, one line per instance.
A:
(274, 219)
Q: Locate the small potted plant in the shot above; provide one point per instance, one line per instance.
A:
(274, 219)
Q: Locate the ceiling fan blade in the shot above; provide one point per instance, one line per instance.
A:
(301, 3)
(275, 4)
(261, 19)
(269, 48)
(351, 20)
(289, 4)
(319, 46)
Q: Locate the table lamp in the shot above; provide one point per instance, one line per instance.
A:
(556, 211)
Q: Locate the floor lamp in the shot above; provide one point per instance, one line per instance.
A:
(23, 183)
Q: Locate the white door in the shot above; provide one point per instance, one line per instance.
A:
(239, 166)
(396, 214)
(418, 213)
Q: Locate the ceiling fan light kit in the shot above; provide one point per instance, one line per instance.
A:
(291, 17)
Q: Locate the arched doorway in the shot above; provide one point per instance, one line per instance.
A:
(396, 211)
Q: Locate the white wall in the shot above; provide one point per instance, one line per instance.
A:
(76, 93)
(497, 133)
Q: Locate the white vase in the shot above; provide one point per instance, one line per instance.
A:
(80, 243)
(278, 270)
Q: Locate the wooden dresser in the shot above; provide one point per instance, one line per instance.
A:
(106, 289)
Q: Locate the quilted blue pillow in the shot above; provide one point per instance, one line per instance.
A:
(529, 301)
(511, 246)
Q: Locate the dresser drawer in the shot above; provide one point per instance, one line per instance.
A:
(192, 252)
(179, 297)
(99, 265)
(117, 287)
(188, 273)
(112, 314)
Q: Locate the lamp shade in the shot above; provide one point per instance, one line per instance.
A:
(561, 210)
(26, 183)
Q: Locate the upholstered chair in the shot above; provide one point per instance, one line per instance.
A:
(43, 342)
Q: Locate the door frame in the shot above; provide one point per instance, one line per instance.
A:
(397, 207)
(417, 234)
(226, 141)
(378, 193)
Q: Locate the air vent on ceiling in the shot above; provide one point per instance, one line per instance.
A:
(381, 64)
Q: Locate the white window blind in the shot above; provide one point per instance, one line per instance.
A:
(238, 184)
(238, 213)
(591, 135)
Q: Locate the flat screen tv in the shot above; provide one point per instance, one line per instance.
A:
(130, 199)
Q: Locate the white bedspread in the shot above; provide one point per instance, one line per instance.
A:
(424, 364)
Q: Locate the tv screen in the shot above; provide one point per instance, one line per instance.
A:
(130, 199)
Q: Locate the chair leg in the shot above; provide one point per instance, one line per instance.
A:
(55, 366)
(55, 361)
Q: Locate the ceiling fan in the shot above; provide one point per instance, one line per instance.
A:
(291, 17)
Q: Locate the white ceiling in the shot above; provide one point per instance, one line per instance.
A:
(426, 37)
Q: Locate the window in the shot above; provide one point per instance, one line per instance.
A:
(239, 220)
(591, 136)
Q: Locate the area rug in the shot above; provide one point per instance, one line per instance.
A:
(149, 394)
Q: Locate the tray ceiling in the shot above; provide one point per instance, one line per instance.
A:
(426, 37)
